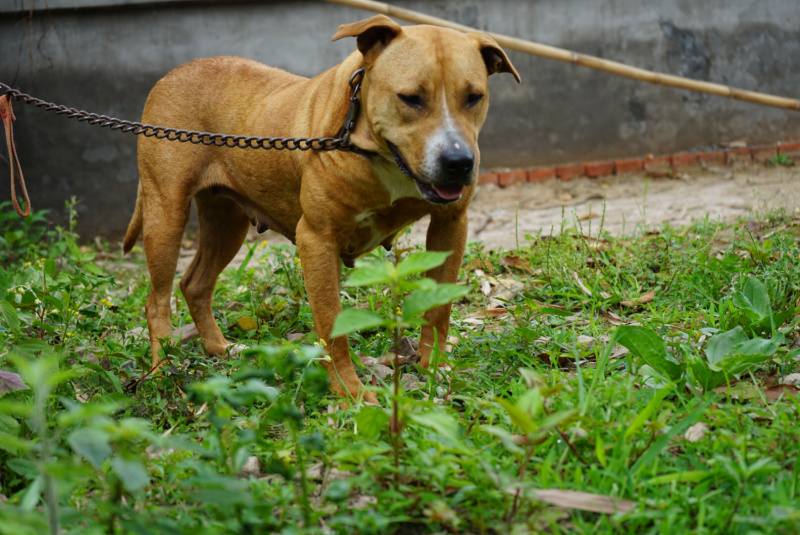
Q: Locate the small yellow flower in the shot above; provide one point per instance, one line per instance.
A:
(263, 244)
(27, 264)
(323, 343)
(398, 312)
(263, 261)
(106, 302)
(327, 358)
(69, 335)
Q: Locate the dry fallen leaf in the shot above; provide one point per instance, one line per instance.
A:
(696, 432)
(185, 333)
(514, 261)
(247, 324)
(479, 264)
(584, 501)
(774, 393)
(792, 379)
(588, 215)
(646, 298)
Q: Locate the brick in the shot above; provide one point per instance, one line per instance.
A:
(628, 166)
(738, 155)
(712, 158)
(568, 172)
(506, 178)
(681, 161)
(657, 162)
(762, 154)
(596, 169)
(487, 178)
(790, 149)
(541, 175)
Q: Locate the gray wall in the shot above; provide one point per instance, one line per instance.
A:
(106, 57)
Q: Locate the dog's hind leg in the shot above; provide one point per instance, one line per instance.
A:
(222, 229)
(162, 241)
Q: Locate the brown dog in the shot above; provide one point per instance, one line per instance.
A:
(423, 102)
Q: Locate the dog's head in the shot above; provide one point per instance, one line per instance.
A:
(425, 93)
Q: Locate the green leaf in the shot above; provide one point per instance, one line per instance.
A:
(371, 421)
(351, 320)
(91, 444)
(131, 473)
(648, 345)
(721, 345)
(11, 381)
(423, 300)
(74, 250)
(648, 457)
(442, 423)
(519, 417)
(757, 295)
(370, 274)
(642, 417)
(10, 318)
(419, 262)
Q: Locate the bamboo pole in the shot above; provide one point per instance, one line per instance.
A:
(560, 54)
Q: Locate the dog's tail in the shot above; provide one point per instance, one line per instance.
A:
(135, 226)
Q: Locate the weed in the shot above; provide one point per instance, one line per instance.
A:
(642, 375)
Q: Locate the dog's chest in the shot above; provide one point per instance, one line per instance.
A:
(379, 227)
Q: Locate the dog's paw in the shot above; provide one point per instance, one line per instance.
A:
(235, 349)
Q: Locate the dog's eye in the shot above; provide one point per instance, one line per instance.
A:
(415, 101)
(473, 99)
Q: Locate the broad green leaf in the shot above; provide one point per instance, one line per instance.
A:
(739, 364)
(721, 345)
(10, 318)
(74, 250)
(371, 421)
(11, 381)
(91, 444)
(648, 345)
(420, 262)
(519, 417)
(444, 424)
(757, 295)
(131, 473)
(370, 273)
(351, 320)
(423, 300)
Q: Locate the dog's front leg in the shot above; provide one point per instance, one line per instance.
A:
(321, 272)
(447, 232)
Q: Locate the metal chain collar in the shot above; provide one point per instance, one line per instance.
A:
(206, 138)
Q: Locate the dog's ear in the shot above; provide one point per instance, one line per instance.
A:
(372, 34)
(494, 56)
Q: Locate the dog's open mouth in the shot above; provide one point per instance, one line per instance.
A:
(436, 193)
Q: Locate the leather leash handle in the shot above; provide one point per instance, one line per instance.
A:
(7, 115)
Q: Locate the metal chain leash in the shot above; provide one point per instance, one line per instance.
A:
(206, 138)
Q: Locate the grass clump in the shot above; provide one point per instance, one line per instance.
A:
(596, 385)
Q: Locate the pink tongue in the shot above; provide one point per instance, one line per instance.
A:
(451, 191)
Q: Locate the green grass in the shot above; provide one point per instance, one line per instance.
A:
(611, 349)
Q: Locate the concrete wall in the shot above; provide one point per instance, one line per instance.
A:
(106, 57)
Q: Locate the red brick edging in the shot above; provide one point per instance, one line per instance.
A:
(651, 164)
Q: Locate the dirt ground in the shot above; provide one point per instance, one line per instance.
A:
(633, 203)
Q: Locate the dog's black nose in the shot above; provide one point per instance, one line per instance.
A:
(457, 164)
